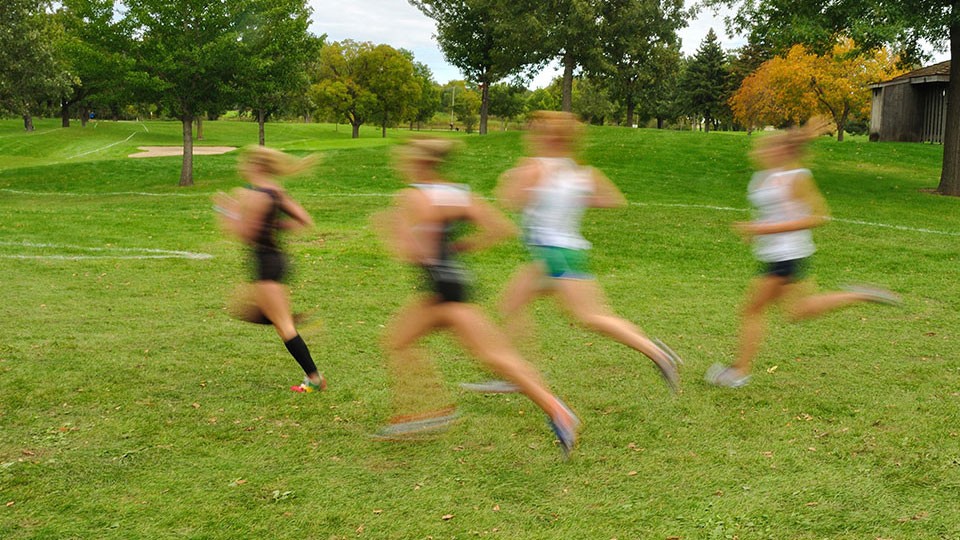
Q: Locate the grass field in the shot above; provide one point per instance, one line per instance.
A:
(131, 406)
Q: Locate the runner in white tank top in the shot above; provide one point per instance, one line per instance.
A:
(553, 191)
(788, 206)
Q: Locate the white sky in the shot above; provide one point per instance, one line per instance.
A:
(399, 24)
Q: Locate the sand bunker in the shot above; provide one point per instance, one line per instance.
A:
(166, 151)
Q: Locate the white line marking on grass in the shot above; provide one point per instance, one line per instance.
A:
(103, 148)
(136, 253)
(29, 133)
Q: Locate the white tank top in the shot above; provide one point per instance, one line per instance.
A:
(552, 215)
(771, 193)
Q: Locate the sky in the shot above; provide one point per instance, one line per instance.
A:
(399, 24)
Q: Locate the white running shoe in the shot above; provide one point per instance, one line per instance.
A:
(720, 375)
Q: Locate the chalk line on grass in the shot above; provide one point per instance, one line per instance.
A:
(100, 194)
(108, 252)
(94, 151)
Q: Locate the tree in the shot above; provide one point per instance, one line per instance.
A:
(95, 48)
(902, 24)
(573, 37)
(507, 101)
(277, 50)
(641, 50)
(464, 102)
(543, 99)
(363, 81)
(429, 102)
(31, 69)
(188, 54)
(704, 83)
(591, 101)
(394, 84)
(794, 87)
(489, 40)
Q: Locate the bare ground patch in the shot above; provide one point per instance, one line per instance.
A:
(167, 151)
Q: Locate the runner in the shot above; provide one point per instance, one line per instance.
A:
(788, 206)
(255, 215)
(421, 231)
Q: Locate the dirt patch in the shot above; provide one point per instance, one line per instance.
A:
(166, 151)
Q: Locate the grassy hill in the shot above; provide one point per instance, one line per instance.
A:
(131, 406)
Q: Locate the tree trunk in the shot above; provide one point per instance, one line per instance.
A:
(28, 122)
(950, 175)
(706, 125)
(659, 122)
(65, 114)
(566, 87)
(631, 108)
(383, 126)
(261, 121)
(186, 172)
(84, 116)
(356, 130)
(484, 104)
(200, 127)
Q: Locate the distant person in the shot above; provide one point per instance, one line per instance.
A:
(788, 206)
(553, 191)
(422, 230)
(255, 215)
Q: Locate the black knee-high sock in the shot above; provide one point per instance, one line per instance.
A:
(301, 354)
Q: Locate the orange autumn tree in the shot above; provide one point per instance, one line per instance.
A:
(800, 84)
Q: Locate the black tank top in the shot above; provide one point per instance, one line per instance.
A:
(266, 238)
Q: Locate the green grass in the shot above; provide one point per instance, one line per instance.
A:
(131, 406)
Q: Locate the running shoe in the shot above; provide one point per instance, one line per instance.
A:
(491, 387)
(419, 427)
(875, 294)
(565, 430)
(720, 375)
(669, 370)
(308, 386)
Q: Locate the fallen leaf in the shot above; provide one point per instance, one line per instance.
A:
(9, 504)
(812, 503)
(632, 473)
(772, 369)
(195, 405)
(377, 512)
(447, 517)
(360, 529)
(496, 508)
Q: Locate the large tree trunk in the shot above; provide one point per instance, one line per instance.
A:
(566, 86)
(356, 130)
(950, 175)
(186, 172)
(28, 122)
(659, 122)
(261, 121)
(84, 116)
(484, 104)
(65, 114)
(200, 127)
(631, 108)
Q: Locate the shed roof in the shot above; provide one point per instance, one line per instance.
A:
(935, 73)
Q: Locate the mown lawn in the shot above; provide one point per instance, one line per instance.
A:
(131, 406)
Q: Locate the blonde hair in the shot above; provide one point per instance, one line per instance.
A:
(558, 125)
(275, 162)
(427, 149)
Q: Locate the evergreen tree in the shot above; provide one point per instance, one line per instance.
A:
(704, 86)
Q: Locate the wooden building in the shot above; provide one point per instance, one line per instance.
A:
(911, 107)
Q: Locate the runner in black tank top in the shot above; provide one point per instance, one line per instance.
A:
(419, 231)
(263, 209)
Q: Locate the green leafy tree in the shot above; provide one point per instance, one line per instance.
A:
(903, 24)
(277, 50)
(94, 46)
(591, 100)
(507, 101)
(430, 93)
(394, 84)
(188, 53)
(704, 84)
(489, 40)
(32, 70)
(574, 38)
(544, 99)
(641, 51)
